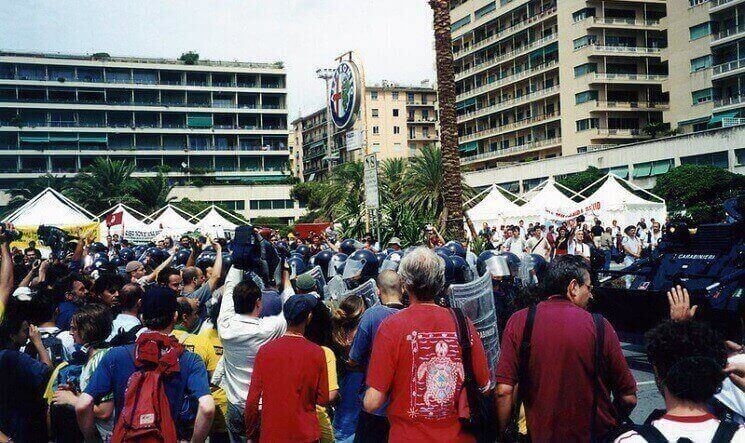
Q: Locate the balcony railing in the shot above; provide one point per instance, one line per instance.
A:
(610, 132)
(625, 49)
(104, 126)
(507, 31)
(165, 149)
(134, 81)
(509, 103)
(511, 150)
(507, 80)
(508, 127)
(631, 105)
(624, 21)
(493, 61)
(720, 4)
(630, 77)
(729, 32)
(143, 103)
(729, 66)
(727, 101)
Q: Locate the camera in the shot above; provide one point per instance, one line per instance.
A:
(10, 235)
(55, 238)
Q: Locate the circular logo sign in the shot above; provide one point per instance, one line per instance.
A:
(344, 94)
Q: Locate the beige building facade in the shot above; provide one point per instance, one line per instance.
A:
(393, 121)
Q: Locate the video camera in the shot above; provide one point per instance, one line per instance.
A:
(10, 235)
(55, 238)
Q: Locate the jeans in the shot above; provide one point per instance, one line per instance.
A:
(607, 254)
(236, 424)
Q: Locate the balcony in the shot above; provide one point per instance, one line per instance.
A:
(511, 150)
(494, 61)
(422, 137)
(729, 68)
(627, 78)
(145, 82)
(550, 12)
(509, 79)
(501, 106)
(116, 126)
(422, 121)
(544, 118)
(602, 105)
(728, 35)
(412, 103)
(166, 104)
(624, 50)
(610, 22)
(734, 101)
(720, 5)
(620, 133)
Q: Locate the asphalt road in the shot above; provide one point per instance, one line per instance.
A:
(649, 398)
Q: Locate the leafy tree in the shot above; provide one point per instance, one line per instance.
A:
(310, 194)
(580, 180)
(104, 184)
(30, 189)
(151, 193)
(653, 129)
(189, 58)
(697, 192)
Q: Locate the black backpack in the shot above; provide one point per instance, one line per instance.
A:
(725, 432)
(53, 345)
(125, 337)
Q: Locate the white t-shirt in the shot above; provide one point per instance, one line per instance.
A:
(699, 429)
(633, 244)
(577, 248)
(730, 395)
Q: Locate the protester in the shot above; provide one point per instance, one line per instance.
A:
(127, 320)
(416, 360)
(289, 392)
(578, 246)
(538, 244)
(632, 246)
(560, 368)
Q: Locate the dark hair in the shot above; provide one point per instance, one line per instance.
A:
(94, 322)
(158, 322)
(189, 273)
(165, 274)
(42, 308)
(107, 281)
(345, 318)
(628, 228)
(319, 329)
(129, 295)
(184, 308)
(245, 296)
(562, 271)
(689, 358)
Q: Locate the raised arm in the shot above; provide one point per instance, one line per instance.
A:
(154, 275)
(227, 307)
(6, 270)
(217, 266)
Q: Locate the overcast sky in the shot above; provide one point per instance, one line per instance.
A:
(393, 37)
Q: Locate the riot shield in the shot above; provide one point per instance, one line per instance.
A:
(368, 291)
(335, 289)
(476, 300)
(317, 274)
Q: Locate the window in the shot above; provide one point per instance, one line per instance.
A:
(396, 130)
(425, 114)
(701, 96)
(700, 63)
(740, 155)
(700, 30)
(267, 204)
(395, 112)
(584, 41)
(718, 159)
(376, 129)
(586, 123)
(394, 95)
(397, 147)
(232, 205)
(484, 10)
(585, 69)
(585, 96)
(425, 132)
(460, 23)
(376, 147)
(373, 95)
(375, 112)
(583, 14)
(651, 169)
(410, 97)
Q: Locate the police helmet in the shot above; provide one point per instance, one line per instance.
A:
(362, 264)
(392, 261)
(462, 270)
(456, 248)
(350, 245)
(296, 265)
(337, 264)
(127, 254)
(493, 263)
(322, 260)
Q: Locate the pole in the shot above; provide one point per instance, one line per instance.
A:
(329, 126)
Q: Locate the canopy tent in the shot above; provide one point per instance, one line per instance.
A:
(613, 201)
(50, 208)
(215, 223)
(544, 202)
(171, 221)
(129, 222)
(492, 207)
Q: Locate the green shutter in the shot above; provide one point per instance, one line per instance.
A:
(62, 137)
(642, 170)
(93, 138)
(660, 167)
(41, 137)
(466, 103)
(199, 121)
(621, 171)
(468, 147)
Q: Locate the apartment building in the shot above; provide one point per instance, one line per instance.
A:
(225, 122)
(728, 60)
(510, 55)
(393, 121)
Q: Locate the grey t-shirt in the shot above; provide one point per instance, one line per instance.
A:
(203, 293)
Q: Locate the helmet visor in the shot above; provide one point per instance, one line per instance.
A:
(497, 266)
(389, 264)
(353, 268)
(336, 267)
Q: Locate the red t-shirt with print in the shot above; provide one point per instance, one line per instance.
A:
(417, 361)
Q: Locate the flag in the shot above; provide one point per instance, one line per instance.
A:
(114, 219)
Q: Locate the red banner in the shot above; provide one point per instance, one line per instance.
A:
(114, 219)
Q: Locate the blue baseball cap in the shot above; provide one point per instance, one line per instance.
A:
(298, 306)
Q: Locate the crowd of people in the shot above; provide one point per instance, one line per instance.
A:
(262, 338)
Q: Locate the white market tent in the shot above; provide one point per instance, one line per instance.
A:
(215, 223)
(131, 219)
(50, 208)
(612, 201)
(544, 202)
(169, 219)
(492, 207)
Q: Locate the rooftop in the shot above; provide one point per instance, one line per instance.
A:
(104, 57)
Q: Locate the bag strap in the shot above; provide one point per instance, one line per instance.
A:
(725, 432)
(464, 340)
(523, 359)
(650, 433)
(598, 370)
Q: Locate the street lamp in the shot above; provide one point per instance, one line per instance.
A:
(327, 74)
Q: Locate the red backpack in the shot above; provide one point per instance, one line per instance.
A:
(146, 416)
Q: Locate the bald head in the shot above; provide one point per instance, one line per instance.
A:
(389, 285)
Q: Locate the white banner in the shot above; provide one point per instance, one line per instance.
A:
(142, 235)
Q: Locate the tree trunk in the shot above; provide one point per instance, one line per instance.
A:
(448, 124)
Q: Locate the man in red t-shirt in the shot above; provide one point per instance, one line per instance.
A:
(560, 373)
(290, 378)
(416, 360)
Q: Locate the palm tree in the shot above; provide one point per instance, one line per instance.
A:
(452, 190)
(19, 196)
(344, 195)
(151, 193)
(103, 184)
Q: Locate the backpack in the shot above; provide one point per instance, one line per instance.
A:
(146, 415)
(53, 345)
(725, 432)
(123, 338)
(63, 425)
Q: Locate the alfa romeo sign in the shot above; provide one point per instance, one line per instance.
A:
(344, 94)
